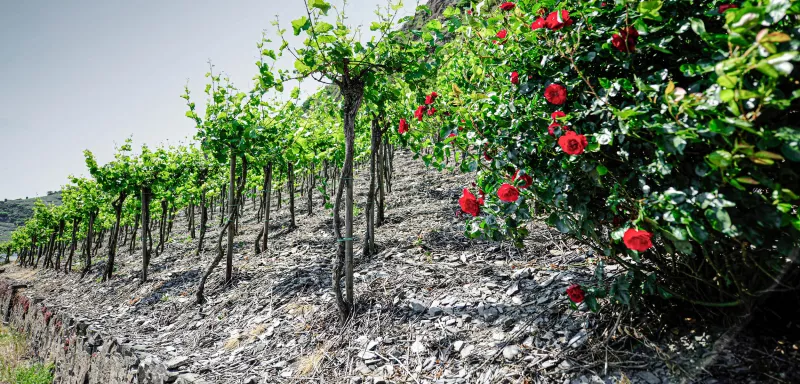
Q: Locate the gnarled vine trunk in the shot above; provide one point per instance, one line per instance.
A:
(145, 232)
(202, 286)
(267, 196)
(290, 191)
(61, 225)
(353, 93)
(112, 242)
(73, 244)
(231, 217)
(89, 234)
(381, 154)
(133, 235)
(369, 236)
(310, 186)
(203, 214)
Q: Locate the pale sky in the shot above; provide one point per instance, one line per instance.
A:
(87, 74)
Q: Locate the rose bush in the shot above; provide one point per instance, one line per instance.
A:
(662, 134)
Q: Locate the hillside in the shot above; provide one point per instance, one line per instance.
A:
(432, 306)
(14, 213)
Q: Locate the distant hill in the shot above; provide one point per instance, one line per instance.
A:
(14, 213)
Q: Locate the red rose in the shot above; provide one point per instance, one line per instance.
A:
(526, 178)
(625, 40)
(403, 127)
(725, 7)
(420, 112)
(431, 98)
(507, 6)
(538, 24)
(557, 114)
(576, 294)
(502, 34)
(603, 4)
(469, 203)
(508, 193)
(469, 12)
(555, 94)
(637, 240)
(572, 143)
(431, 111)
(551, 130)
(514, 77)
(452, 134)
(558, 20)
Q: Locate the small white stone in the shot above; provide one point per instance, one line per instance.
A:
(510, 352)
(467, 350)
(498, 335)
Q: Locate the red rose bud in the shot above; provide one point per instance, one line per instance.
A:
(452, 134)
(558, 20)
(403, 127)
(625, 41)
(576, 294)
(508, 193)
(502, 34)
(431, 98)
(469, 12)
(555, 94)
(724, 7)
(469, 203)
(514, 77)
(526, 178)
(538, 24)
(420, 112)
(431, 111)
(637, 240)
(572, 143)
(558, 114)
(551, 130)
(507, 6)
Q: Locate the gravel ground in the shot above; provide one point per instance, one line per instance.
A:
(432, 306)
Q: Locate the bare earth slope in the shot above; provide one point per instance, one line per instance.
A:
(432, 306)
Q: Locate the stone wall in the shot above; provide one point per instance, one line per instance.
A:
(81, 353)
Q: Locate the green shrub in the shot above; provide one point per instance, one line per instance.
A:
(34, 374)
(14, 368)
(681, 121)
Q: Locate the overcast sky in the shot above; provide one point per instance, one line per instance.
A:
(87, 74)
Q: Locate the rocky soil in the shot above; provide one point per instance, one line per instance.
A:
(432, 307)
